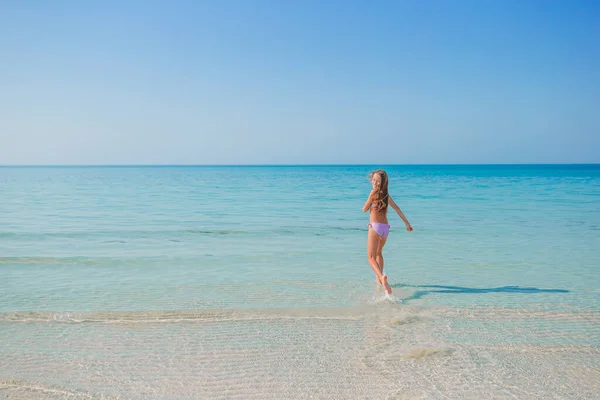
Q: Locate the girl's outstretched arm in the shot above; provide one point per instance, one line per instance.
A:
(400, 214)
(367, 205)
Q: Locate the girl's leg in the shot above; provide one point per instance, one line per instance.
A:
(372, 248)
(379, 257)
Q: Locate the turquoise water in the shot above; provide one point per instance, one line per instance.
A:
(203, 282)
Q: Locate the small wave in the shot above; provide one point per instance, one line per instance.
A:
(349, 229)
(192, 231)
(188, 315)
(50, 260)
(394, 315)
(118, 233)
(512, 314)
(385, 297)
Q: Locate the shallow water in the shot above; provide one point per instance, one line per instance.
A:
(252, 282)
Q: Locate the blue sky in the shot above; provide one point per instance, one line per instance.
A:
(269, 82)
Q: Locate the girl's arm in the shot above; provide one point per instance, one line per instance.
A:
(400, 214)
(367, 205)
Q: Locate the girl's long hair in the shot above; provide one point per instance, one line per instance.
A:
(381, 197)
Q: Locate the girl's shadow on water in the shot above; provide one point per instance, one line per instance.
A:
(460, 290)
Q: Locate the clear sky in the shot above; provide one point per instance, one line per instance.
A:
(299, 81)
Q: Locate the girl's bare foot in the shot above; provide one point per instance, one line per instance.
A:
(385, 284)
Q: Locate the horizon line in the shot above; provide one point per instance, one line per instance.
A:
(283, 165)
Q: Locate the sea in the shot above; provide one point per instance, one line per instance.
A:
(252, 282)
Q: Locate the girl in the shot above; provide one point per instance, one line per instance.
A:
(378, 202)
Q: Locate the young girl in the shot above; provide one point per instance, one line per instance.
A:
(378, 202)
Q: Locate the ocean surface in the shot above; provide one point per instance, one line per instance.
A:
(253, 283)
